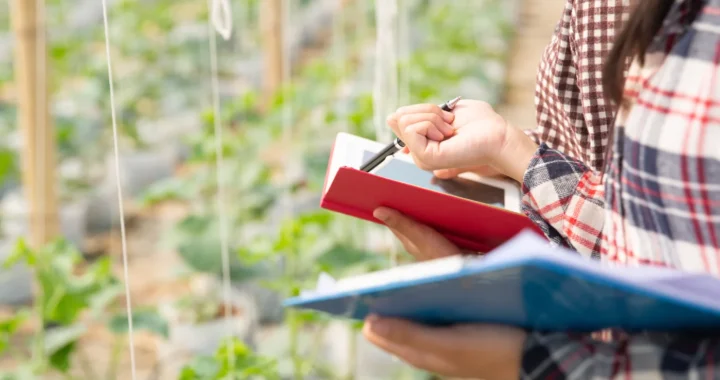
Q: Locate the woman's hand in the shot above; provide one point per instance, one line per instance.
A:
(419, 240)
(467, 351)
(472, 135)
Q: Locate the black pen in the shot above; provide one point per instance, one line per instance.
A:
(397, 144)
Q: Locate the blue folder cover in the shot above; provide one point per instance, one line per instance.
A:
(527, 283)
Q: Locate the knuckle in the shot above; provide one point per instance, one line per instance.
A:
(422, 165)
(409, 248)
(430, 107)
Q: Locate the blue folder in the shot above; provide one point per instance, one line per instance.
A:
(527, 283)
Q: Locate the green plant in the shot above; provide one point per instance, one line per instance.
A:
(247, 365)
(68, 288)
(201, 308)
(301, 122)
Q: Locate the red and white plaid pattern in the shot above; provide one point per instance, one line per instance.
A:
(658, 203)
(572, 114)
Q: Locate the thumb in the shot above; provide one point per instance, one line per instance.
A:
(448, 173)
(418, 234)
(421, 346)
(483, 171)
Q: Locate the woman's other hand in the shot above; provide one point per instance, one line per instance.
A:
(465, 351)
(421, 241)
(478, 136)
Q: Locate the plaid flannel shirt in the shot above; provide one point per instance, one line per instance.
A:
(572, 114)
(658, 202)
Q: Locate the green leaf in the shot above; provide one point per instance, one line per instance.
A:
(169, 189)
(60, 343)
(60, 359)
(147, 320)
(9, 326)
(59, 337)
(201, 368)
(105, 297)
(342, 256)
(21, 253)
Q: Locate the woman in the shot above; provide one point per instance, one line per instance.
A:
(656, 203)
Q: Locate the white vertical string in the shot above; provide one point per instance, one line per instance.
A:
(286, 32)
(404, 7)
(40, 89)
(222, 18)
(220, 173)
(403, 94)
(341, 62)
(287, 105)
(41, 97)
(385, 89)
(121, 210)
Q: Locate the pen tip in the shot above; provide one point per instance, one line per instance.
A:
(451, 104)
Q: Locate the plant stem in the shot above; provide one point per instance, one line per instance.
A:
(38, 352)
(85, 364)
(115, 358)
(352, 352)
(294, 326)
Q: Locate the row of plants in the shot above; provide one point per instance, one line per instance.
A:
(270, 166)
(293, 159)
(158, 48)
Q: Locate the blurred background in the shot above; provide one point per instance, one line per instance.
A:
(290, 75)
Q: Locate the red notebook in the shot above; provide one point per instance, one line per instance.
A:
(469, 224)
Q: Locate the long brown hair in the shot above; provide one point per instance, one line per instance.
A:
(633, 40)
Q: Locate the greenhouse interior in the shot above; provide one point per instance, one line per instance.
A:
(161, 184)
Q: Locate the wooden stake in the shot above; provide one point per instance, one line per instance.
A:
(38, 156)
(271, 16)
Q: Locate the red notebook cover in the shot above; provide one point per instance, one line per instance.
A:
(469, 224)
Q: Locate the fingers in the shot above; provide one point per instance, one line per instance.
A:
(441, 129)
(420, 346)
(469, 350)
(392, 122)
(409, 115)
(419, 240)
(484, 171)
(448, 117)
(407, 244)
(448, 173)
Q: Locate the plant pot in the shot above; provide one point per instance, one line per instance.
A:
(72, 218)
(268, 302)
(16, 281)
(205, 337)
(139, 170)
(370, 361)
(103, 213)
(7, 187)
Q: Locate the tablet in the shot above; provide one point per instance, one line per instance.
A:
(354, 151)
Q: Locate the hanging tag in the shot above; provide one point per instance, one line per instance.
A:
(222, 18)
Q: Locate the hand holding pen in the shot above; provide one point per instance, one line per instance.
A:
(437, 134)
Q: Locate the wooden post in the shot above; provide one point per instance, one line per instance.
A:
(271, 16)
(38, 156)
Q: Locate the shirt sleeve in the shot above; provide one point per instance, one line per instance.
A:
(565, 199)
(645, 356)
(534, 134)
